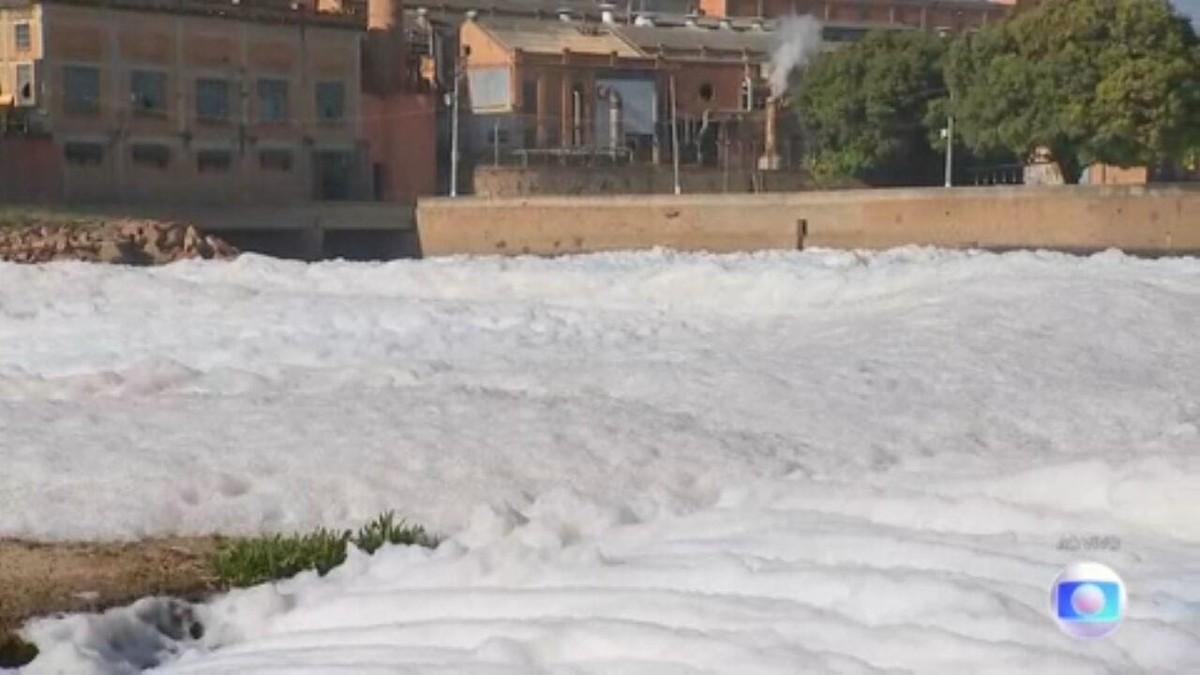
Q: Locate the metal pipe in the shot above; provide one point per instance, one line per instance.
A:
(577, 114)
(770, 157)
(454, 129)
(675, 138)
(616, 130)
(950, 152)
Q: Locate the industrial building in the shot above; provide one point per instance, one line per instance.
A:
(196, 102)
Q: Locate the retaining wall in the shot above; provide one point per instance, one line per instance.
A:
(1154, 220)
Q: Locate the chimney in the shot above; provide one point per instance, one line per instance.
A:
(386, 53)
(606, 14)
(770, 159)
(616, 127)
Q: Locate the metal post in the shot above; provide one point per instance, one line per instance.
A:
(950, 151)
(454, 129)
(496, 143)
(675, 138)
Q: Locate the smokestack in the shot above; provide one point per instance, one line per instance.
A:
(606, 14)
(770, 160)
(616, 129)
(385, 46)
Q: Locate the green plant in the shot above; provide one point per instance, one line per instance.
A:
(248, 562)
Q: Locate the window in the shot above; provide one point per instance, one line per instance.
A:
(272, 100)
(25, 93)
(84, 154)
(22, 37)
(276, 159)
(212, 100)
(213, 160)
(331, 101)
(706, 92)
(497, 136)
(81, 86)
(150, 154)
(148, 90)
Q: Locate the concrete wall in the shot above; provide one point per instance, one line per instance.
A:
(557, 225)
(1076, 218)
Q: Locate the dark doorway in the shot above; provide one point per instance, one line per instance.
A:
(333, 175)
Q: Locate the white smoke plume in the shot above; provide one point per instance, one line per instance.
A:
(797, 41)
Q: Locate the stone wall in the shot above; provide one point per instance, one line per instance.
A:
(1157, 220)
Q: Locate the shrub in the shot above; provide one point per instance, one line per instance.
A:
(248, 562)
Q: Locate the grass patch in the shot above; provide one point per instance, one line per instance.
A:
(24, 216)
(248, 562)
(15, 652)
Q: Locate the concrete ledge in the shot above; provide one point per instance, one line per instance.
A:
(561, 225)
(321, 215)
(1155, 220)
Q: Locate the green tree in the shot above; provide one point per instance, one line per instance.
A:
(864, 108)
(1109, 81)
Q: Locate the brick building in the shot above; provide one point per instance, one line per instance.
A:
(194, 102)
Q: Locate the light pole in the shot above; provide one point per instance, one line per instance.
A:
(454, 126)
(948, 133)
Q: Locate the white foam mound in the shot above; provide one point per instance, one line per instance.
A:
(652, 463)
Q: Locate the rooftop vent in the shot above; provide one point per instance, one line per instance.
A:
(606, 14)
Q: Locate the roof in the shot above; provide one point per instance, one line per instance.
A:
(699, 41)
(555, 37)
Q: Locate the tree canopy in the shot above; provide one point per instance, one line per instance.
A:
(1111, 81)
(864, 107)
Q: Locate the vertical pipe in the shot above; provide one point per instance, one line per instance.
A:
(454, 129)
(496, 143)
(577, 100)
(950, 151)
(675, 138)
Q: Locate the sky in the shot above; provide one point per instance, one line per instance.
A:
(1190, 8)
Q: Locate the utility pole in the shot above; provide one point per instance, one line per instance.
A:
(459, 69)
(949, 133)
(675, 138)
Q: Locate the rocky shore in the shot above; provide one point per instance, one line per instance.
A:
(128, 242)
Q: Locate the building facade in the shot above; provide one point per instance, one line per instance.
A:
(190, 103)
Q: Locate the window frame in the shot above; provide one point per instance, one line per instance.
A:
(262, 87)
(72, 103)
(28, 36)
(206, 117)
(320, 109)
(155, 75)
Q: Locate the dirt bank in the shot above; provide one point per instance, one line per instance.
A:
(38, 579)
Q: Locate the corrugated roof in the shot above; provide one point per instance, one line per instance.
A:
(554, 37)
(658, 38)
